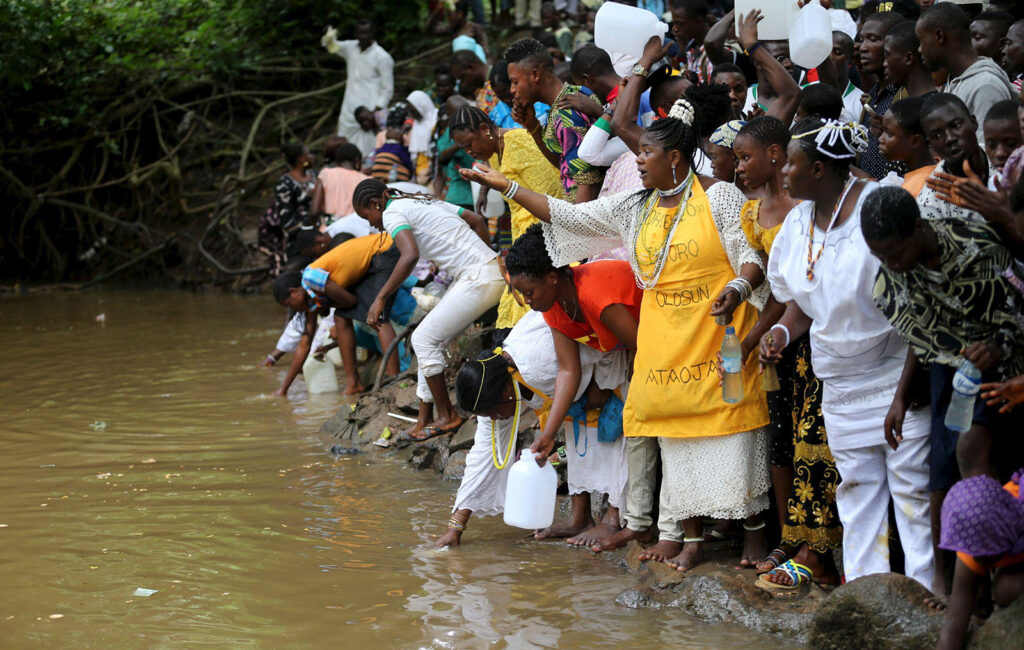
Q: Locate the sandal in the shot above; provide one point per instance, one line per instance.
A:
(798, 573)
(775, 558)
(426, 433)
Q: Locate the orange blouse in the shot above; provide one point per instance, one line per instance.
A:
(598, 285)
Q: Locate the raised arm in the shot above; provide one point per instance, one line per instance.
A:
(714, 41)
(787, 92)
(623, 123)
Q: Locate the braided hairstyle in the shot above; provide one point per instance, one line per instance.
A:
(469, 118)
(480, 383)
(889, 212)
(374, 188)
(835, 144)
(766, 130)
(529, 254)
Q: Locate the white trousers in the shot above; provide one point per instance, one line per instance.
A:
(466, 299)
(870, 475)
(483, 485)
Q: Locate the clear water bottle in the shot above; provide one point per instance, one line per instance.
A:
(732, 367)
(393, 174)
(966, 383)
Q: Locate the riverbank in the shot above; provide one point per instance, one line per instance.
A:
(880, 611)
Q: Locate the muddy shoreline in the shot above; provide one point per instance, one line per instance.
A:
(881, 611)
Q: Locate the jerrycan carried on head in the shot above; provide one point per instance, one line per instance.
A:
(623, 29)
(810, 36)
(530, 493)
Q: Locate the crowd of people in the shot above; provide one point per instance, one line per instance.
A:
(856, 228)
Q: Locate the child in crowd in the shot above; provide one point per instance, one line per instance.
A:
(391, 160)
(1002, 137)
(903, 141)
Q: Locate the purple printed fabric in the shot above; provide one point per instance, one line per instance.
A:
(983, 519)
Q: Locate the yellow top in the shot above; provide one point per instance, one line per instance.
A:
(674, 392)
(523, 163)
(760, 238)
(347, 262)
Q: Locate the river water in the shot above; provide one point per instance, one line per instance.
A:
(145, 452)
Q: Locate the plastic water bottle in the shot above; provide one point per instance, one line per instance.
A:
(623, 29)
(966, 383)
(732, 367)
(530, 493)
(393, 174)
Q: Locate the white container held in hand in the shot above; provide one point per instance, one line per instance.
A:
(530, 493)
(778, 16)
(625, 30)
(810, 37)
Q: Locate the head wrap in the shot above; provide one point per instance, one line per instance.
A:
(981, 518)
(423, 128)
(851, 138)
(725, 135)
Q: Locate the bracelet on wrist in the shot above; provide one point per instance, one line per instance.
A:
(750, 51)
(780, 326)
(271, 360)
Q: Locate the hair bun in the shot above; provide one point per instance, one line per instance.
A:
(682, 110)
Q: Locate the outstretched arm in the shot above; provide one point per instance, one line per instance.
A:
(536, 204)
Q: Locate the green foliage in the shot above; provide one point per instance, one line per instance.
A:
(69, 55)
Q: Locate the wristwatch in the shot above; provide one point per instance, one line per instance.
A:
(641, 71)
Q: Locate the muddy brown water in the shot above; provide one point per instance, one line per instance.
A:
(146, 452)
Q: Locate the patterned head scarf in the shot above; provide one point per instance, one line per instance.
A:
(725, 135)
(981, 518)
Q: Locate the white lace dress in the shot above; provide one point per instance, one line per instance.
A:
(715, 476)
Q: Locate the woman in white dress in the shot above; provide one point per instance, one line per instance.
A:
(822, 269)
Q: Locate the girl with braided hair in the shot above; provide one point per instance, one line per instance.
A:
(822, 270)
(457, 241)
(688, 253)
(514, 153)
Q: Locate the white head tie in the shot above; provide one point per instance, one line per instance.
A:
(852, 136)
(682, 110)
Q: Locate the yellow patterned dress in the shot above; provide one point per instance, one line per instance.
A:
(798, 429)
(523, 163)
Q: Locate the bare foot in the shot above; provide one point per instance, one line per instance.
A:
(661, 551)
(354, 389)
(451, 539)
(754, 548)
(938, 603)
(691, 555)
(592, 536)
(620, 539)
(566, 528)
(773, 559)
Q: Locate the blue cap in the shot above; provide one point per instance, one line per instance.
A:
(730, 329)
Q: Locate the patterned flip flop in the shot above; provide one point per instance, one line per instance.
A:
(776, 558)
(798, 574)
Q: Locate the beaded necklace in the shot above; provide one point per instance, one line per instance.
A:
(812, 259)
(500, 464)
(655, 257)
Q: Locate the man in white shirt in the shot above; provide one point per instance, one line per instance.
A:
(369, 69)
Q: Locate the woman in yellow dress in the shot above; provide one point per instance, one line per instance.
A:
(513, 153)
(688, 252)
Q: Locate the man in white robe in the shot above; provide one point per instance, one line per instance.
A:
(370, 84)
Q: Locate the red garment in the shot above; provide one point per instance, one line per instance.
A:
(598, 285)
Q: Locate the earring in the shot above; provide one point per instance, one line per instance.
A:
(490, 134)
(674, 181)
(773, 161)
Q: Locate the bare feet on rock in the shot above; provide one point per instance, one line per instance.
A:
(620, 539)
(691, 555)
(354, 389)
(661, 551)
(754, 548)
(938, 603)
(566, 528)
(594, 535)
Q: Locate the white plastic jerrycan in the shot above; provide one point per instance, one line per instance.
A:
(625, 30)
(320, 376)
(530, 493)
(810, 37)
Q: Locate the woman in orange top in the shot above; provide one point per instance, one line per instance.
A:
(597, 305)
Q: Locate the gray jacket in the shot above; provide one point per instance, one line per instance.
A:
(980, 86)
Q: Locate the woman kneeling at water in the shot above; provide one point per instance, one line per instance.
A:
(526, 371)
(598, 305)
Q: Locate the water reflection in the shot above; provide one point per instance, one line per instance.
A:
(224, 500)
